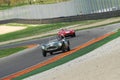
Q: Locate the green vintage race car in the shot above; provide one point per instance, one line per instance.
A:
(55, 45)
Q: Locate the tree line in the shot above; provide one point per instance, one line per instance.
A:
(18, 2)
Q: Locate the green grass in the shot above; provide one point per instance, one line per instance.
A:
(37, 30)
(4, 6)
(51, 1)
(71, 57)
(7, 52)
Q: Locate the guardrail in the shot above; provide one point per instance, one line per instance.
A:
(92, 16)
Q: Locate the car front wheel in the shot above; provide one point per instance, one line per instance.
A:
(44, 53)
(51, 53)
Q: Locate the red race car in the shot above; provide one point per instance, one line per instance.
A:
(66, 33)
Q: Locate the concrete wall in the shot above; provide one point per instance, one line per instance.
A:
(93, 16)
(63, 9)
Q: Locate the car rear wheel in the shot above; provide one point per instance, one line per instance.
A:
(74, 35)
(68, 42)
(63, 47)
(44, 53)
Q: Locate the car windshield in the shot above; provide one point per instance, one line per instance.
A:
(56, 38)
(52, 39)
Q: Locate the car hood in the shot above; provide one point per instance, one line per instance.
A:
(65, 31)
(55, 43)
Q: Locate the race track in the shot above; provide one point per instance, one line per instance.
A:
(22, 60)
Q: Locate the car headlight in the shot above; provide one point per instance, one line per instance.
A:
(60, 44)
(43, 47)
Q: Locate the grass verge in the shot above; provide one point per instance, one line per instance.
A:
(17, 3)
(99, 25)
(71, 57)
(40, 29)
(6, 6)
(7, 52)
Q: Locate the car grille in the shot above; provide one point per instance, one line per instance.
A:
(51, 48)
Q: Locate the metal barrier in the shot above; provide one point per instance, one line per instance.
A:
(65, 19)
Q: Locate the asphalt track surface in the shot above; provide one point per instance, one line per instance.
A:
(30, 57)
